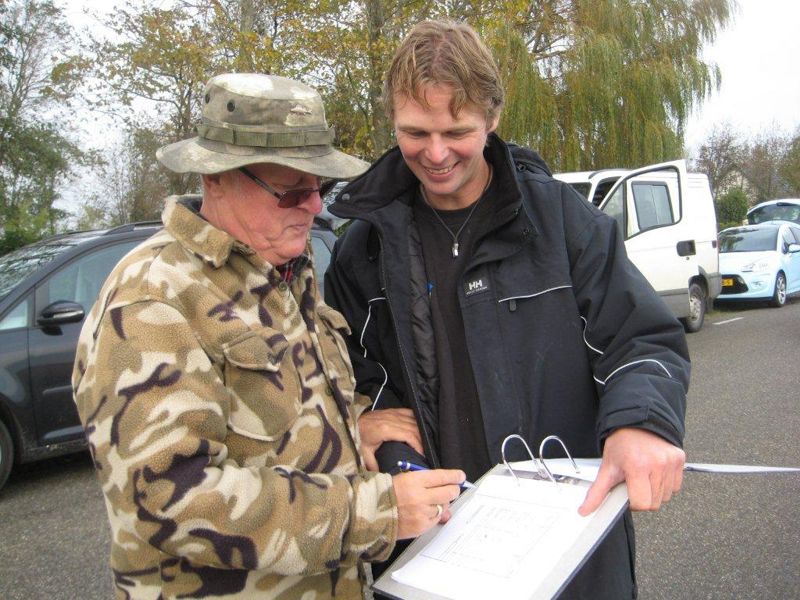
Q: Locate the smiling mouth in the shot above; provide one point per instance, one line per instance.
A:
(443, 171)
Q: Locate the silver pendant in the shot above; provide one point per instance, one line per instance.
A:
(455, 249)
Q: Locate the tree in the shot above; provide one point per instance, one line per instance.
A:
(605, 83)
(157, 62)
(589, 84)
(38, 76)
(133, 185)
(762, 166)
(721, 158)
(789, 167)
(731, 208)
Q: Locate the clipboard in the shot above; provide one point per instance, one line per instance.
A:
(540, 554)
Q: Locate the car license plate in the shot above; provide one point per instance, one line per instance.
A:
(727, 282)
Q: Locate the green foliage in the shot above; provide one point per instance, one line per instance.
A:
(731, 208)
(606, 83)
(589, 84)
(766, 158)
(38, 76)
(789, 167)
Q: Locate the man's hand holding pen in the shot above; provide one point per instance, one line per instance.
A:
(424, 497)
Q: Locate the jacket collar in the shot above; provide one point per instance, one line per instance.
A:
(181, 217)
(383, 196)
(389, 179)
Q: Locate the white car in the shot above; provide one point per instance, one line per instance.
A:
(760, 262)
(786, 209)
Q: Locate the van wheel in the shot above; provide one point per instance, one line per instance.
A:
(6, 454)
(697, 308)
(779, 296)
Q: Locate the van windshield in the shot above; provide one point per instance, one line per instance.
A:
(783, 211)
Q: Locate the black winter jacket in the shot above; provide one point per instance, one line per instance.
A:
(564, 334)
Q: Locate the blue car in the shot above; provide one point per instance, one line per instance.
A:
(760, 262)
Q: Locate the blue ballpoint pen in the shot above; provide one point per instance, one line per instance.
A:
(409, 466)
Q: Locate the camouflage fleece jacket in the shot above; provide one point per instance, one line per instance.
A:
(219, 408)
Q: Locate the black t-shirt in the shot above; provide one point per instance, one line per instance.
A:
(462, 442)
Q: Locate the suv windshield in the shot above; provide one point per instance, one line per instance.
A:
(17, 265)
(748, 240)
(782, 211)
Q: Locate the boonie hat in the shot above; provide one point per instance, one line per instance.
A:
(253, 118)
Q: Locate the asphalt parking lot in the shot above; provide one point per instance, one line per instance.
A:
(724, 537)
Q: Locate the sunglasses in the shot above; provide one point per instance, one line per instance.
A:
(287, 199)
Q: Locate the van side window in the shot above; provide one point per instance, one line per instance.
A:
(615, 207)
(653, 208)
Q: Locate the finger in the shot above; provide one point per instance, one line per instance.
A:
(678, 481)
(370, 462)
(434, 478)
(444, 494)
(412, 438)
(640, 492)
(447, 514)
(658, 489)
(597, 492)
(673, 480)
(397, 425)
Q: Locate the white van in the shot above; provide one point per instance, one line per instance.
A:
(667, 218)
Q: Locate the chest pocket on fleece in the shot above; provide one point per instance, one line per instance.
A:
(332, 335)
(264, 387)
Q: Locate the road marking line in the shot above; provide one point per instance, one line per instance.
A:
(728, 321)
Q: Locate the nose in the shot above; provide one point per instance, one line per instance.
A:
(313, 203)
(436, 150)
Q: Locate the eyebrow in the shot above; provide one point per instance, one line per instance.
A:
(413, 129)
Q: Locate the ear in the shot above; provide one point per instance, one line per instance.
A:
(212, 184)
(492, 124)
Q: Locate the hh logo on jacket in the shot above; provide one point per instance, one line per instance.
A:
(476, 286)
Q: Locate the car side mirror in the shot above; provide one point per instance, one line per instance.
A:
(793, 248)
(60, 313)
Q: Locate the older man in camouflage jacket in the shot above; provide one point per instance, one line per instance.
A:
(214, 383)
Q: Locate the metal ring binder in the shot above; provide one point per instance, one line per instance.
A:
(551, 438)
(541, 466)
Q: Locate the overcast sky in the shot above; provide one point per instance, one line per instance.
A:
(758, 55)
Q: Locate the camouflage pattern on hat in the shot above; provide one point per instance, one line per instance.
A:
(253, 118)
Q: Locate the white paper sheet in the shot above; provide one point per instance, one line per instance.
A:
(501, 544)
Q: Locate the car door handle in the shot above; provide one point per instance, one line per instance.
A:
(686, 248)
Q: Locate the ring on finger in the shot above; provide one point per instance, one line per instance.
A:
(439, 510)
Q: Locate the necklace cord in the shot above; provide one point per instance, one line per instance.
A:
(469, 216)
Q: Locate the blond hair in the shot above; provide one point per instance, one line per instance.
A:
(445, 53)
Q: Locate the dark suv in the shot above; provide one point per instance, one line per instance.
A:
(46, 289)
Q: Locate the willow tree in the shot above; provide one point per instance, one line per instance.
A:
(591, 83)
(601, 83)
